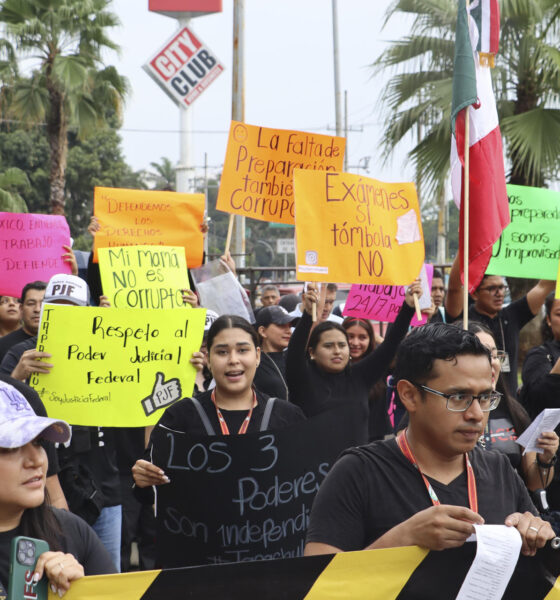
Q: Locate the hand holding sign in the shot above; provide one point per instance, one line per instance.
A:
(163, 394)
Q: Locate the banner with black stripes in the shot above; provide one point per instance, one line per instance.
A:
(409, 573)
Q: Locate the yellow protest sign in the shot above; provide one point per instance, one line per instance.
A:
(353, 229)
(259, 166)
(116, 367)
(144, 276)
(557, 294)
(152, 217)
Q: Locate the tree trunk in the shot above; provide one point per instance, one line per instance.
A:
(57, 134)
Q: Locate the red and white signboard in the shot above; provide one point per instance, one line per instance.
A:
(184, 67)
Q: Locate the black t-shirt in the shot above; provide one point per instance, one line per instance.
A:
(500, 435)
(78, 538)
(10, 361)
(505, 328)
(270, 376)
(39, 409)
(11, 339)
(372, 489)
(541, 388)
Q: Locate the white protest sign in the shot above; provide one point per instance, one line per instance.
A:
(184, 67)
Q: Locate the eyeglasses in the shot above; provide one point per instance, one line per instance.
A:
(460, 402)
(493, 289)
(499, 355)
(8, 300)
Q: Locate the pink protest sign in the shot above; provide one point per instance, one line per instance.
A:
(31, 249)
(383, 302)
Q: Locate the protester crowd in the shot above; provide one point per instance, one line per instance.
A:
(439, 410)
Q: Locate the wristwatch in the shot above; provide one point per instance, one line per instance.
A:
(547, 465)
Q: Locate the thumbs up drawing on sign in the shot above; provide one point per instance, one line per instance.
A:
(163, 394)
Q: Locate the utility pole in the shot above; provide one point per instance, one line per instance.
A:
(238, 111)
(337, 103)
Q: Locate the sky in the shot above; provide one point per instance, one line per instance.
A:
(289, 80)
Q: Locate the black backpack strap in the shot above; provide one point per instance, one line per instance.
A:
(267, 412)
(203, 417)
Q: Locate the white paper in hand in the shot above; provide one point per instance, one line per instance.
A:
(497, 552)
(547, 420)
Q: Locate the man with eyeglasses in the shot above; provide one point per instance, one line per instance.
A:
(504, 323)
(29, 308)
(430, 485)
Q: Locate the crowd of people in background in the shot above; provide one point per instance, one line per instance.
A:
(435, 404)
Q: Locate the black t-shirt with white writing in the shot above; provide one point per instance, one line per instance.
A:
(500, 435)
(373, 488)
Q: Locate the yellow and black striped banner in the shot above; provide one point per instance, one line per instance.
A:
(392, 574)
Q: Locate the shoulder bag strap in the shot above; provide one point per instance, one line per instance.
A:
(267, 412)
(203, 417)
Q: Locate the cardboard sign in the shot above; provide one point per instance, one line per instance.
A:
(31, 249)
(530, 245)
(383, 302)
(144, 276)
(116, 367)
(184, 67)
(154, 218)
(257, 180)
(353, 229)
(243, 497)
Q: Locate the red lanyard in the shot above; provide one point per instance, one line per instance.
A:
(402, 441)
(223, 424)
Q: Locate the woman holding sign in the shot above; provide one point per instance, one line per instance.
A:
(319, 373)
(234, 406)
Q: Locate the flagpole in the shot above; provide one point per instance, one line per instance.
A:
(466, 210)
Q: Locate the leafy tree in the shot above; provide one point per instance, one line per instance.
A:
(12, 182)
(526, 84)
(162, 176)
(69, 87)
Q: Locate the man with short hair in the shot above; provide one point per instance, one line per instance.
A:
(504, 323)
(430, 485)
(10, 315)
(270, 295)
(438, 296)
(30, 307)
(326, 314)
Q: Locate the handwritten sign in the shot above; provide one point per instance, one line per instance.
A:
(383, 302)
(530, 245)
(257, 180)
(243, 497)
(353, 229)
(31, 249)
(154, 218)
(116, 367)
(144, 276)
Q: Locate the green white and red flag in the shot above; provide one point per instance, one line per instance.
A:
(473, 95)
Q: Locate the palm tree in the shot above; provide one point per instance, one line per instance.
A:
(526, 83)
(12, 182)
(68, 87)
(163, 175)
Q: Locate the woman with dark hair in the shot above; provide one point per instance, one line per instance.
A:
(234, 405)
(509, 420)
(361, 339)
(541, 376)
(75, 550)
(319, 373)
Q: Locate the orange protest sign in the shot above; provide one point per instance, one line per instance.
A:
(153, 218)
(353, 229)
(257, 180)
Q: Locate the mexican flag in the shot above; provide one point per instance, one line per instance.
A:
(473, 95)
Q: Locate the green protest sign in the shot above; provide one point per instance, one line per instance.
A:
(530, 245)
(144, 276)
(116, 367)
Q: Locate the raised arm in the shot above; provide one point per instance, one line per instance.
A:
(454, 297)
(537, 295)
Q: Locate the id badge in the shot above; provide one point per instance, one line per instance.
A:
(505, 365)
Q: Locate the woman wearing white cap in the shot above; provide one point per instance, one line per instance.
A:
(24, 503)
